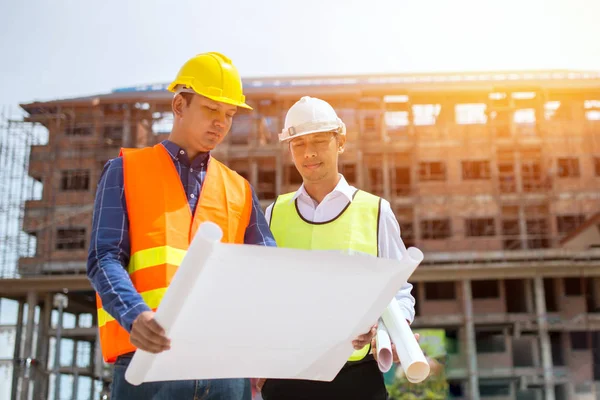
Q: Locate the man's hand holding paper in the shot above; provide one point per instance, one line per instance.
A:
(365, 339)
(147, 334)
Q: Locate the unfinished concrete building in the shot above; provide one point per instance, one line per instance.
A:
(495, 176)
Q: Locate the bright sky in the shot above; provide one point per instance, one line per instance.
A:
(63, 48)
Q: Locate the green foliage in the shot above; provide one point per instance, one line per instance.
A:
(433, 388)
(435, 345)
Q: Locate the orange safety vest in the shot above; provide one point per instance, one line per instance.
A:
(161, 227)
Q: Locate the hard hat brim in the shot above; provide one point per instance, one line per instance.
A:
(228, 101)
(219, 99)
(287, 137)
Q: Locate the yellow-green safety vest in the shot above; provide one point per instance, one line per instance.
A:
(355, 229)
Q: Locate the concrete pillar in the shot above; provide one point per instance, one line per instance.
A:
(523, 227)
(98, 360)
(32, 299)
(595, 287)
(360, 169)
(383, 136)
(470, 341)
(416, 224)
(518, 171)
(546, 349)
(61, 302)
(385, 164)
(254, 174)
(17, 353)
(127, 136)
(278, 173)
(41, 385)
(95, 364)
(74, 370)
(529, 297)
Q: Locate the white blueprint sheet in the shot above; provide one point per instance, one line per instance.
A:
(251, 311)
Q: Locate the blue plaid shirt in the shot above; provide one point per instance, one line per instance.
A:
(109, 250)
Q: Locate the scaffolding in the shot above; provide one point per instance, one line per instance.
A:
(486, 181)
(16, 186)
(48, 340)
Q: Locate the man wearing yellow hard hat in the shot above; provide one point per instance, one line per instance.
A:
(327, 213)
(148, 205)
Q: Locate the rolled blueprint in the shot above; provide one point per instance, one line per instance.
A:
(412, 359)
(385, 358)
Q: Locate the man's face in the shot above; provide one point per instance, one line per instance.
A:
(316, 155)
(206, 122)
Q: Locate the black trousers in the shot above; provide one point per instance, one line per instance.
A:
(360, 381)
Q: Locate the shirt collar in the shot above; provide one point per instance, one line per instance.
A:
(342, 187)
(175, 151)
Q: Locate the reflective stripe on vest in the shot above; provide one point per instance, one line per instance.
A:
(161, 227)
(356, 228)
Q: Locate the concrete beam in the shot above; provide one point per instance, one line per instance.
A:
(43, 284)
(517, 270)
(510, 256)
(437, 266)
(76, 371)
(79, 333)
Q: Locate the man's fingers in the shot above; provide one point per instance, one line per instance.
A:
(148, 335)
(144, 333)
(374, 348)
(365, 338)
(358, 345)
(395, 354)
(146, 346)
(155, 327)
(154, 330)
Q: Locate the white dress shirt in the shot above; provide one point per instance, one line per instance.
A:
(390, 241)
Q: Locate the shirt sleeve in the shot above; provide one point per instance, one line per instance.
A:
(258, 231)
(109, 250)
(390, 245)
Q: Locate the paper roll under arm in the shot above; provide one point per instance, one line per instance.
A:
(411, 356)
(385, 358)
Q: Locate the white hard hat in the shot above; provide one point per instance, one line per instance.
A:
(310, 115)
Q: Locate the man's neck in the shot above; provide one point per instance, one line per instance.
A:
(318, 190)
(191, 153)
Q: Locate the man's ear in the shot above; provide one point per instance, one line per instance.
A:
(177, 105)
(341, 139)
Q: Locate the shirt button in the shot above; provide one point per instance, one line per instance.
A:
(202, 165)
(181, 152)
(191, 169)
(193, 196)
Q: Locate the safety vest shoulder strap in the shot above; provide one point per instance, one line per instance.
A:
(282, 202)
(285, 198)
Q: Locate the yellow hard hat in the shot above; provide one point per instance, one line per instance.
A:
(211, 75)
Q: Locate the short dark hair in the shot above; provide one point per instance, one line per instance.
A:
(187, 97)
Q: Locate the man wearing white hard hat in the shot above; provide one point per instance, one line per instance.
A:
(327, 213)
